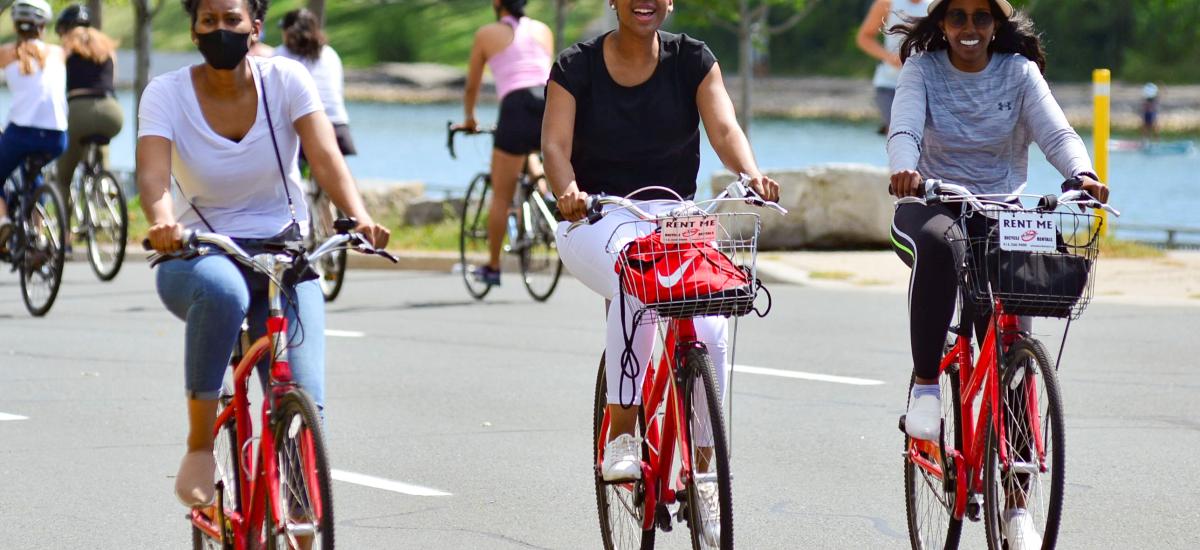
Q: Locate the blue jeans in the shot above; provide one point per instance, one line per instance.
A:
(19, 142)
(212, 296)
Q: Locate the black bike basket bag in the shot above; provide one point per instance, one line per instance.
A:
(1052, 283)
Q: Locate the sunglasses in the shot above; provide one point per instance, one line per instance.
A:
(958, 19)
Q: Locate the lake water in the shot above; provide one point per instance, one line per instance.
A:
(408, 143)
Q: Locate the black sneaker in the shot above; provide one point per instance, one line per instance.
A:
(487, 275)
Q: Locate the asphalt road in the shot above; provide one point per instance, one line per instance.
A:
(491, 403)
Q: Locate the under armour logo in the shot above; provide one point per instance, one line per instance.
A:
(1005, 105)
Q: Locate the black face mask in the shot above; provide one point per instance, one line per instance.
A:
(223, 49)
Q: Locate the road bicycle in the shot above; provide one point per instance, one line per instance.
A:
(531, 223)
(99, 214)
(331, 268)
(682, 425)
(272, 489)
(36, 246)
(1001, 442)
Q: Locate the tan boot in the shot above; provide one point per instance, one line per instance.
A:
(194, 482)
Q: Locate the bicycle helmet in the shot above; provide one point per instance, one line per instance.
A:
(72, 16)
(28, 15)
(1150, 90)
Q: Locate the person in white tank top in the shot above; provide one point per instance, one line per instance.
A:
(883, 15)
(37, 77)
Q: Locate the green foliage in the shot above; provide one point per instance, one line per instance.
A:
(1138, 39)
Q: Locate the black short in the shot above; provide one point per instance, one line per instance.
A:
(519, 130)
(344, 141)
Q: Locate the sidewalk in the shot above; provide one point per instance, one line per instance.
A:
(1173, 280)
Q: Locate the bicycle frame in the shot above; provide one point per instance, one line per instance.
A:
(660, 387)
(247, 524)
(980, 378)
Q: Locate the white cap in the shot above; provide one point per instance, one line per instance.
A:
(1004, 6)
(1150, 90)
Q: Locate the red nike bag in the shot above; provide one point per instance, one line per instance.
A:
(684, 279)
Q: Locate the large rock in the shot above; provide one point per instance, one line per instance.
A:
(380, 197)
(829, 206)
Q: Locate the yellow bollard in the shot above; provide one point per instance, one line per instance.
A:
(1101, 94)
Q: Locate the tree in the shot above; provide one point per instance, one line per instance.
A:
(750, 21)
(143, 43)
(560, 23)
(96, 9)
(318, 9)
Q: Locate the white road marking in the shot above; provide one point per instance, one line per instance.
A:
(344, 333)
(386, 484)
(747, 369)
(5, 417)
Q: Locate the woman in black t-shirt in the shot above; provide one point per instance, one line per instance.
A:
(623, 112)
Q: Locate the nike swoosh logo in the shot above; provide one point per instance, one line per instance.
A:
(673, 279)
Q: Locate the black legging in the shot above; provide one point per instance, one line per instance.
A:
(919, 238)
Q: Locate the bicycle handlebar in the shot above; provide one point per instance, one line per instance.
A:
(735, 191)
(934, 191)
(452, 129)
(191, 239)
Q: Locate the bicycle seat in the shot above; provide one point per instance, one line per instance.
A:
(34, 162)
(95, 139)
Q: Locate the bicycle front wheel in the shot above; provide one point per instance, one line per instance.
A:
(106, 224)
(621, 505)
(303, 516)
(330, 268)
(43, 249)
(473, 234)
(930, 479)
(710, 487)
(540, 266)
(1032, 481)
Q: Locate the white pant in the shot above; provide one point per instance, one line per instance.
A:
(590, 253)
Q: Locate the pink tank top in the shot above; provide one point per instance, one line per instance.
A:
(523, 64)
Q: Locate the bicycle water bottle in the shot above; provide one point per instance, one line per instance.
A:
(512, 228)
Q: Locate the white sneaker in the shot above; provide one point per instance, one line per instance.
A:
(709, 499)
(1020, 532)
(924, 417)
(622, 459)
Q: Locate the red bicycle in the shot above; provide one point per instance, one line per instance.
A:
(685, 445)
(274, 489)
(1002, 453)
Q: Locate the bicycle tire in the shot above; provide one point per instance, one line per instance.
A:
(43, 245)
(295, 416)
(633, 538)
(105, 196)
(540, 265)
(226, 453)
(917, 481)
(331, 268)
(472, 234)
(699, 366)
(1026, 361)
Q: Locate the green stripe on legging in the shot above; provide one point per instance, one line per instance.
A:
(902, 247)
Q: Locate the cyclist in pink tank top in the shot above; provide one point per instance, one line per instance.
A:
(518, 51)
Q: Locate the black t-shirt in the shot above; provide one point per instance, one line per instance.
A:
(627, 138)
(87, 74)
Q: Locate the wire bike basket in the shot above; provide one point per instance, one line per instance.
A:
(1038, 264)
(685, 266)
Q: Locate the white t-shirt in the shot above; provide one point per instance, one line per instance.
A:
(39, 100)
(327, 73)
(235, 185)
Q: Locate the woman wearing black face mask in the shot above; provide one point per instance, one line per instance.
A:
(228, 131)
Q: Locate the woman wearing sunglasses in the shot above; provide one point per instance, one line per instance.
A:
(970, 100)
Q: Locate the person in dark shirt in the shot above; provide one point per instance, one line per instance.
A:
(622, 113)
(92, 106)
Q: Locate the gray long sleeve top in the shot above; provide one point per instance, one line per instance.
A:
(974, 129)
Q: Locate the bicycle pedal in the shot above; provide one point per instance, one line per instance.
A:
(662, 517)
(975, 507)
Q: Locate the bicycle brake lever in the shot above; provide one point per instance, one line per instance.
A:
(387, 256)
